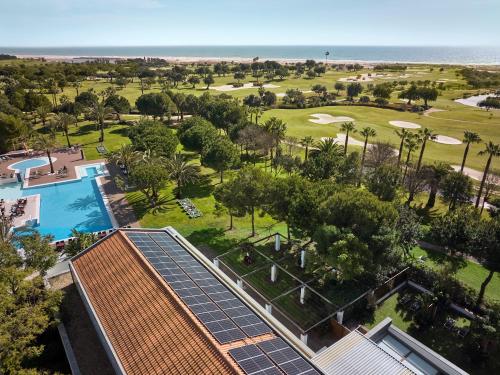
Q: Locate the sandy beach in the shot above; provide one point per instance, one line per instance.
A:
(235, 59)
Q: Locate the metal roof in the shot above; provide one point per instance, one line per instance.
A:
(356, 354)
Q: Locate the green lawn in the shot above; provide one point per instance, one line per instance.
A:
(472, 274)
(378, 118)
(87, 135)
(451, 122)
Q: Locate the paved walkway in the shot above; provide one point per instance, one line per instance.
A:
(123, 212)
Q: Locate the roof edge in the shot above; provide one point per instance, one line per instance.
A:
(108, 346)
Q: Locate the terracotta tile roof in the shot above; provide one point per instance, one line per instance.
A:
(150, 329)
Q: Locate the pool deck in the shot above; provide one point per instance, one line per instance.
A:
(122, 211)
(31, 211)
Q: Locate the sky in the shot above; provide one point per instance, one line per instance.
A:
(38, 23)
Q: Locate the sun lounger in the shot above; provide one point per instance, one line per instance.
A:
(101, 149)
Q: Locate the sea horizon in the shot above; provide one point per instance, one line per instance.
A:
(467, 55)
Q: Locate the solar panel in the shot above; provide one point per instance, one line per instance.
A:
(177, 273)
(286, 358)
(215, 290)
(252, 361)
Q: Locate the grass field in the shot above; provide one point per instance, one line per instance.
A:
(299, 126)
(472, 274)
(451, 122)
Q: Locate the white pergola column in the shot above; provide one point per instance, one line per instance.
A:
(277, 242)
(340, 316)
(302, 259)
(274, 273)
(269, 308)
(216, 262)
(239, 282)
(302, 294)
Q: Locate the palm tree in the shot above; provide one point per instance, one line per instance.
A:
(365, 132)
(63, 121)
(492, 150)
(277, 129)
(258, 112)
(327, 146)
(182, 172)
(403, 134)
(125, 155)
(424, 135)
(434, 176)
(307, 142)
(98, 113)
(45, 143)
(347, 127)
(411, 144)
(77, 84)
(326, 56)
(469, 137)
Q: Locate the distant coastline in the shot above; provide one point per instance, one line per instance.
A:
(338, 54)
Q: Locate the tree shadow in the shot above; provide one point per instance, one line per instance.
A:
(83, 204)
(202, 189)
(214, 238)
(123, 131)
(427, 214)
(83, 130)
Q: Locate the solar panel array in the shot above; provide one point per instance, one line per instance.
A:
(273, 356)
(217, 308)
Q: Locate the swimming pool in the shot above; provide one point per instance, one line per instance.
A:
(30, 163)
(66, 205)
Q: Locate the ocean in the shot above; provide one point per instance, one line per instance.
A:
(437, 55)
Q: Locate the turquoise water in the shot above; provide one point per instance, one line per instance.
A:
(63, 206)
(460, 55)
(29, 163)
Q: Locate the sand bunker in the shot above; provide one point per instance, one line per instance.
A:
(405, 124)
(362, 78)
(472, 101)
(341, 140)
(245, 86)
(323, 118)
(447, 140)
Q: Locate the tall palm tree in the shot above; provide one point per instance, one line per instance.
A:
(492, 150)
(327, 146)
(258, 112)
(47, 144)
(77, 84)
(411, 144)
(348, 128)
(366, 133)
(327, 53)
(424, 135)
(125, 155)
(307, 142)
(182, 172)
(63, 121)
(469, 137)
(402, 134)
(98, 113)
(277, 129)
(434, 176)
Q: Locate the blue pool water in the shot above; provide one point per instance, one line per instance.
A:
(63, 206)
(29, 163)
